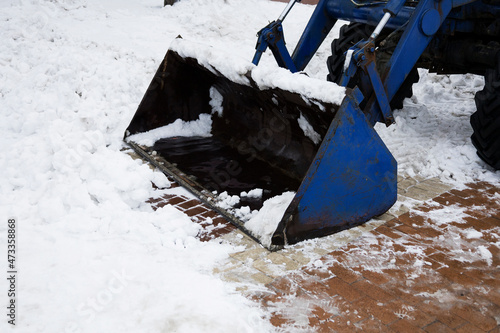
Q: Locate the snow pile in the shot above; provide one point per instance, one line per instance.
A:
(227, 201)
(93, 256)
(265, 222)
(265, 77)
(216, 101)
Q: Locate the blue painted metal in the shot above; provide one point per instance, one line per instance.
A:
(380, 93)
(421, 24)
(352, 179)
(394, 6)
(353, 176)
(363, 58)
(327, 12)
(317, 29)
(272, 37)
(424, 23)
(414, 40)
(371, 15)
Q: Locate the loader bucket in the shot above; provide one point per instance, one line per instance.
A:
(282, 156)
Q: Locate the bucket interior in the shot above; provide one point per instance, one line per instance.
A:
(219, 168)
(259, 139)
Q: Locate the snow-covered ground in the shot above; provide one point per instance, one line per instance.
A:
(92, 255)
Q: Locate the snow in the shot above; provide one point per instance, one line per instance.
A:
(431, 136)
(201, 127)
(447, 214)
(227, 201)
(239, 69)
(93, 256)
(260, 223)
(299, 83)
(485, 254)
(308, 130)
(255, 193)
(265, 222)
(473, 234)
(216, 101)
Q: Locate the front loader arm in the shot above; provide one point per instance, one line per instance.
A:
(272, 37)
(423, 24)
(320, 24)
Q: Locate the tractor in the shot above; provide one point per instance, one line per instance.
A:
(323, 158)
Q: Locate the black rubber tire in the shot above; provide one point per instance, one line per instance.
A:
(486, 120)
(349, 35)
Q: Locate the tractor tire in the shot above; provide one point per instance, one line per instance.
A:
(349, 35)
(486, 120)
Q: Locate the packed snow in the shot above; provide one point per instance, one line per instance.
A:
(93, 255)
(265, 222)
(200, 127)
(239, 68)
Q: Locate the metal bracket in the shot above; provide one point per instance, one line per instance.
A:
(272, 36)
(362, 56)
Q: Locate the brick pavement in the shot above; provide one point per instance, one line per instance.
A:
(213, 225)
(417, 272)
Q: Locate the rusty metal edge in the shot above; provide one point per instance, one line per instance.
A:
(196, 189)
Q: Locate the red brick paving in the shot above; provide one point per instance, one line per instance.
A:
(213, 225)
(412, 274)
